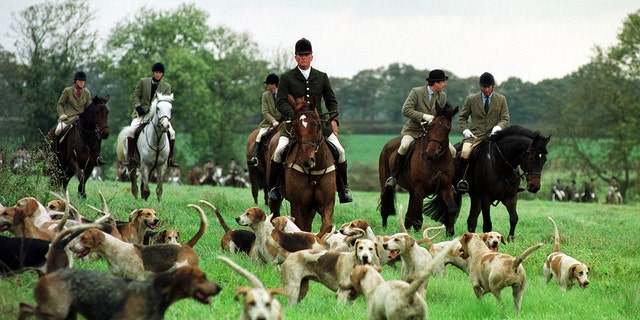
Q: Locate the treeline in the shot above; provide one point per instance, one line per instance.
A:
(217, 75)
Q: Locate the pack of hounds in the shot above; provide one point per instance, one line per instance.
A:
(151, 270)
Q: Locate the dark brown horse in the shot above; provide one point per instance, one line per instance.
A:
(494, 176)
(309, 182)
(429, 169)
(78, 149)
(258, 174)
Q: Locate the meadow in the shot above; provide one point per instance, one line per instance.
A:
(603, 236)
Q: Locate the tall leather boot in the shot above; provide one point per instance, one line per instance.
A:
(171, 161)
(344, 194)
(462, 186)
(274, 175)
(253, 162)
(398, 161)
(131, 148)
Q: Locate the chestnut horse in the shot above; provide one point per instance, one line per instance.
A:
(494, 176)
(258, 174)
(79, 147)
(429, 170)
(309, 182)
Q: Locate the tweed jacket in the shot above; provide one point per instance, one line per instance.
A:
(418, 104)
(269, 110)
(70, 105)
(293, 83)
(142, 94)
(482, 123)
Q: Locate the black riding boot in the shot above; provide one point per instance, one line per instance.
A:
(398, 161)
(463, 185)
(131, 148)
(344, 194)
(274, 175)
(100, 161)
(253, 162)
(171, 161)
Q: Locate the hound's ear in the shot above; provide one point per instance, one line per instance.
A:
(240, 291)
(410, 240)
(134, 214)
(502, 239)
(279, 291)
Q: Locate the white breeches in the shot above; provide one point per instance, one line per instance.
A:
(261, 133)
(406, 142)
(138, 120)
(60, 127)
(283, 141)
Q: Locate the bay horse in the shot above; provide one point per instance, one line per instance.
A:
(429, 169)
(309, 182)
(494, 176)
(78, 148)
(152, 147)
(258, 174)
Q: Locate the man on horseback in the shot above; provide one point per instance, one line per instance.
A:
(489, 114)
(71, 105)
(143, 95)
(305, 82)
(271, 114)
(419, 107)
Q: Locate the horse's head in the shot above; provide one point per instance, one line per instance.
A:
(437, 131)
(99, 113)
(162, 105)
(307, 131)
(533, 161)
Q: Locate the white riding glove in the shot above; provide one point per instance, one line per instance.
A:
(495, 129)
(63, 117)
(427, 117)
(467, 133)
(275, 123)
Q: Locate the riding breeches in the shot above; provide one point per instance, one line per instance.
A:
(261, 133)
(407, 140)
(60, 128)
(283, 141)
(140, 120)
(467, 147)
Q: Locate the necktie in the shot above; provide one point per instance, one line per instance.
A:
(486, 105)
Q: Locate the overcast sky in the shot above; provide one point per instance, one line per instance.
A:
(531, 40)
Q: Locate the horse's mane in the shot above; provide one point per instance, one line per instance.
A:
(514, 130)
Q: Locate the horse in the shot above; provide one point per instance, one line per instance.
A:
(79, 147)
(309, 182)
(429, 169)
(258, 174)
(152, 144)
(494, 176)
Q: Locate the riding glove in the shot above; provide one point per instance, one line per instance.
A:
(467, 133)
(140, 110)
(427, 117)
(63, 117)
(495, 129)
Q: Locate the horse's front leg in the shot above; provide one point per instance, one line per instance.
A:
(448, 195)
(510, 204)
(486, 215)
(144, 184)
(133, 178)
(161, 172)
(82, 179)
(414, 211)
(474, 212)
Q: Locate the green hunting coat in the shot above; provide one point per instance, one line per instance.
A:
(142, 94)
(482, 123)
(418, 104)
(269, 110)
(293, 83)
(71, 105)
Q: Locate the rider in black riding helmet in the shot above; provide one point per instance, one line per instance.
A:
(489, 114)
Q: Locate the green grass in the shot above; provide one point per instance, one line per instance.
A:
(603, 236)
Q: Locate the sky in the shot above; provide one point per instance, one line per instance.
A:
(530, 40)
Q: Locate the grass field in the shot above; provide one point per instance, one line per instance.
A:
(605, 237)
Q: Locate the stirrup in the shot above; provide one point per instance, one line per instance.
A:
(274, 194)
(390, 183)
(100, 161)
(345, 196)
(463, 186)
(253, 162)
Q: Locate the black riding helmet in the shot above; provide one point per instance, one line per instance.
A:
(79, 75)
(158, 66)
(486, 79)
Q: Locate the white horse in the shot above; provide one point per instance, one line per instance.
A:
(152, 147)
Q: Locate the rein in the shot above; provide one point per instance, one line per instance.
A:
(426, 126)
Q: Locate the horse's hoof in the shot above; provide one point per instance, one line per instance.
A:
(390, 183)
(274, 195)
(345, 196)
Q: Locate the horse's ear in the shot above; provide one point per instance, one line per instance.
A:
(106, 99)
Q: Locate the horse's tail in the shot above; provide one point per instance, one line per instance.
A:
(387, 204)
(120, 148)
(437, 209)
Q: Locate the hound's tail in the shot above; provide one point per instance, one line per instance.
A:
(437, 260)
(203, 226)
(218, 215)
(243, 272)
(556, 235)
(525, 255)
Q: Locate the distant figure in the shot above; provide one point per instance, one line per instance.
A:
(173, 176)
(572, 192)
(613, 195)
(96, 173)
(589, 194)
(20, 160)
(558, 191)
(208, 171)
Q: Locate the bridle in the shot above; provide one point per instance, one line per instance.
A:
(426, 127)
